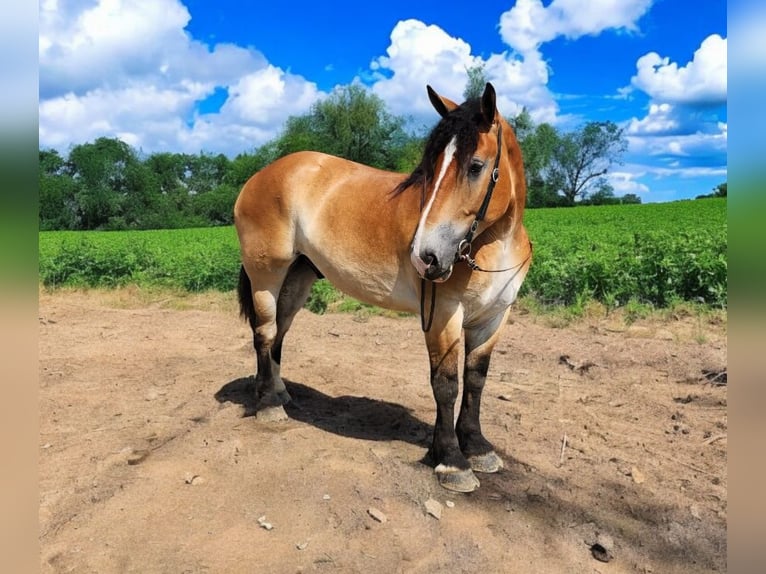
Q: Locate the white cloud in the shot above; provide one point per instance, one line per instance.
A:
(418, 55)
(421, 54)
(529, 24)
(703, 147)
(128, 69)
(701, 81)
(626, 182)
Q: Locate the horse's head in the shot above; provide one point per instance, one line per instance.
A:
(472, 177)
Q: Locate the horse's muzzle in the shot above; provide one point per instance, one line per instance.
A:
(430, 268)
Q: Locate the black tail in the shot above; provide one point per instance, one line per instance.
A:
(245, 294)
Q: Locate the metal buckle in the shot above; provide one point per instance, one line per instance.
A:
(463, 249)
(495, 175)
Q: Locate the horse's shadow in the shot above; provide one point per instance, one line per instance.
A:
(349, 416)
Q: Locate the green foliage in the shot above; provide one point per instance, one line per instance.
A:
(351, 123)
(719, 190)
(655, 254)
(630, 256)
(323, 294)
(191, 259)
(477, 80)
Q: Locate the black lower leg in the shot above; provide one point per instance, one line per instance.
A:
(445, 449)
(468, 427)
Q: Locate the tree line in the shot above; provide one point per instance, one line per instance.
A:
(108, 185)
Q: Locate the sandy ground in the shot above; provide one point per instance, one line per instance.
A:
(151, 460)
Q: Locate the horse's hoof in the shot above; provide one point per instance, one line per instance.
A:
(457, 480)
(488, 462)
(272, 414)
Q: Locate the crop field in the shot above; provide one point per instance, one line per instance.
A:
(655, 254)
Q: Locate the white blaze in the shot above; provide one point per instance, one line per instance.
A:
(449, 155)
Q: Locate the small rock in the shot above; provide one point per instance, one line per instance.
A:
(326, 497)
(194, 479)
(377, 514)
(264, 524)
(137, 456)
(695, 511)
(434, 508)
(505, 398)
(602, 548)
(638, 476)
(449, 504)
(46, 445)
(302, 545)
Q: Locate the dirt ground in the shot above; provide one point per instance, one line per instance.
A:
(614, 440)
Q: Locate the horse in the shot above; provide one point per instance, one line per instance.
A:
(454, 224)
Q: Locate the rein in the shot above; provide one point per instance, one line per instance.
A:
(463, 252)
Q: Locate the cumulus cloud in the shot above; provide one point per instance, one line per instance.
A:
(529, 24)
(701, 81)
(627, 182)
(679, 128)
(420, 54)
(129, 69)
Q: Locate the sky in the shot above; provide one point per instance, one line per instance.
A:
(222, 77)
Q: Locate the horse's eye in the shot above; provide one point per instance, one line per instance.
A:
(476, 167)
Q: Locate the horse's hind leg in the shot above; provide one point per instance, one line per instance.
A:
(479, 343)
(264, 286)
(293, 295)
(270, 302)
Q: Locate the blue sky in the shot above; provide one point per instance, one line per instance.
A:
(223, 76)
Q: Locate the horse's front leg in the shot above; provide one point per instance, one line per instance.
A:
(479, 343)
(452, 468)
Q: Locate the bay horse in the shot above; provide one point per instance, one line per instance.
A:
(389, 239)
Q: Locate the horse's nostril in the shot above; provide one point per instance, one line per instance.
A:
(429, 258)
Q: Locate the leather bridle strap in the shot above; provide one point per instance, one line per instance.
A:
(464, 247)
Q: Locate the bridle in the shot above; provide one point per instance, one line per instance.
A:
(463, 252)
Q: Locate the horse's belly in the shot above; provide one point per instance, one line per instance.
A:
(384, 286)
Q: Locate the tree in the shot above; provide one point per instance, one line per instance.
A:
(350, 123)
(538, 148)
(582, 157)
(242, 167)
(523, 125)
(57, 193)
(477, 80)
(718, 191)
(604, 195)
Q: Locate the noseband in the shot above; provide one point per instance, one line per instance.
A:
(463, 252)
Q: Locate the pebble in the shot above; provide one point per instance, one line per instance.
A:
(602, 548)
(326, 497)
(450, 504)
(638, 476)
(193, 479)
(264, 524)
(434, 508)
(377, 514)
(137, 456)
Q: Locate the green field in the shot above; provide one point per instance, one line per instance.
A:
(656, 254)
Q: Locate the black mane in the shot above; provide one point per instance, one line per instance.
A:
(463, 122)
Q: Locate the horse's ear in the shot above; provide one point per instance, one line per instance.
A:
(488, 105)
(442, 105)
